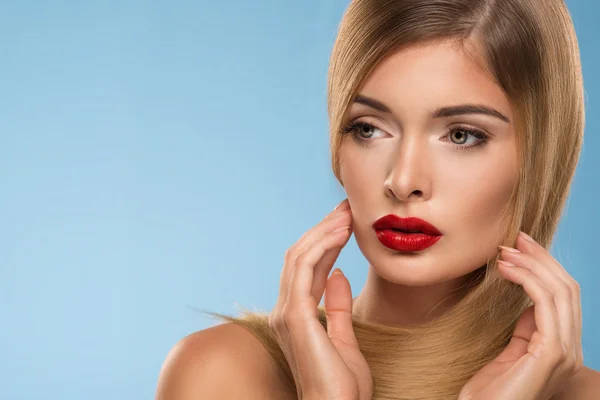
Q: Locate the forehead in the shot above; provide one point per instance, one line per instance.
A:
(431, 75)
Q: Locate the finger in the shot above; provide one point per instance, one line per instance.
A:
(527, 245)
(330, 222)
(558, 288)
(323, 267)
(545, 342)
(303, 270)
(519, 342)
(313, 351)
(314, 356)
(338, 310)
(343, 220)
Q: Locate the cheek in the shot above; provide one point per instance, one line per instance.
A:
(472, 205)
(362, 175)
(479, 195)
(359, 172)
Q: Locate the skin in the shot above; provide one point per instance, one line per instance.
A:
(415, 169)
(407, 162)
(410, 167)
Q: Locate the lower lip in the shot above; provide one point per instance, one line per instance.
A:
(401, 241)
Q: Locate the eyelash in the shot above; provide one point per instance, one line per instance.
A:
(353, 127)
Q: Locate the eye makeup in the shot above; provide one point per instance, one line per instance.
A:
(357, 128)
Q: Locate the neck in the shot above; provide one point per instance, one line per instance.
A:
(398, 305)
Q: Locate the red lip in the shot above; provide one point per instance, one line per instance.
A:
(388, 232)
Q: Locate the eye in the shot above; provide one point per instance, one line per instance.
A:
(361, 131)
(461, 135)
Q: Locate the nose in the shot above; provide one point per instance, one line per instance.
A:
(408, 178)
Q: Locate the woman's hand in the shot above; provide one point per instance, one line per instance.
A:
(328, 364)
(545, 349)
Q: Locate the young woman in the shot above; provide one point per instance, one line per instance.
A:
(456, 126)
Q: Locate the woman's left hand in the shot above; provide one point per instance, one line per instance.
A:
(545, 348)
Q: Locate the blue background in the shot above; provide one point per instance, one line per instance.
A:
(158, 157)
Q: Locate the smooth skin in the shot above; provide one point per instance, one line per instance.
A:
(537, 364)
(545, 349)
(411, 165)
(325, 364)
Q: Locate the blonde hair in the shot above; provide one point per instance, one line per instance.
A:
(530, 48)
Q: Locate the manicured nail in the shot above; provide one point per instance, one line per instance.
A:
(512, 250)
(341, 203)
(506, 263)
(338, 272)
(527, 237)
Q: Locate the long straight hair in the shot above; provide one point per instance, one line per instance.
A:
(530, 49)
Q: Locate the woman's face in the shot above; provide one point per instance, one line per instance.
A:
(414, 163)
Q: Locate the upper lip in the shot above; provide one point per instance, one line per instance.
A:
(392, 221)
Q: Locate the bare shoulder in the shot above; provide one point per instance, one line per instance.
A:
(222, 362)
(585, 385)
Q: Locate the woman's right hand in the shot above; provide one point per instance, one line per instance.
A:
(326, 364)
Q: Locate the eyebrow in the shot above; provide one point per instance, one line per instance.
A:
(440, 112)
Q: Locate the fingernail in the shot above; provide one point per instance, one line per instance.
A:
(527, 237)
(506, 263)
(341, 203)
(512, 250)
(337, 271)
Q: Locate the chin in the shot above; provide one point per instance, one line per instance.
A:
(427, 267)
(411, 273)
